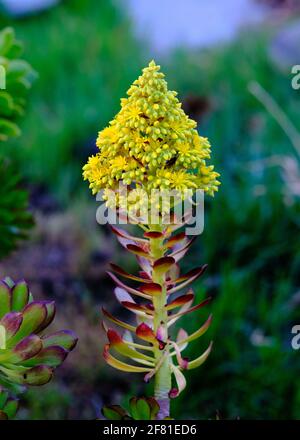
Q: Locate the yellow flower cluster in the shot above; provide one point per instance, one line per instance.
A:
(151, 143)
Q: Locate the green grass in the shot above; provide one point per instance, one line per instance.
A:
(86, 58)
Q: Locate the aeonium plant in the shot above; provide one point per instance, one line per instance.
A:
(152, 147)
(28, 355)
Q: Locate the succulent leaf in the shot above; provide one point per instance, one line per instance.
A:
(27, 357)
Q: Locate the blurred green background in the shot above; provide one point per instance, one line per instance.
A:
(86, 54)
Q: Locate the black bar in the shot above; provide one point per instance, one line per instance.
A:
(95, 429)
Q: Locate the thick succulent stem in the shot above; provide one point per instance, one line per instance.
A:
(162, 381)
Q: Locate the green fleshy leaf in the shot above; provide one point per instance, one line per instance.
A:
(34, 315)
(113, 412)
(11, 408)
(26, 349)
(38, 375)
(154, 406)
(5, 298)
(140, 409)
(64, 338)
(50, 356)
(20, 296)
(3, 397)
(50, 309)
(12, 322)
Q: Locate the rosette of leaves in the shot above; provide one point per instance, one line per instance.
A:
(17, 79)
(15, 219)
(28, 356)
(140, 408)
(8, 405)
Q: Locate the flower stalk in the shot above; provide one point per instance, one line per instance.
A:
(162, 384)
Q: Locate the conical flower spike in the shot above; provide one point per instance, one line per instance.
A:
(27, 355)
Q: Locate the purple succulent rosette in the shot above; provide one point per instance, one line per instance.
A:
(28, 356)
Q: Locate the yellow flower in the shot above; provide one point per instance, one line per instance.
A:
(151, 143)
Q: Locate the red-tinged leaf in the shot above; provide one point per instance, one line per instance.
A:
(182, 362)
(173, 273)
(19, 296)
(180, 253)
(145, 277)
(175, 239)
(121, 347)
(162, 333)
(180, 380)
(119, 365)
(154, 407)
(50, 356)
(127, 288)
(114, 337)
(114, 412)
(153, 234)
(5, 298)
(180, 301)
(137, 250)
(192, 309)
(26, 349)
(151, 289)
(137, 308)
(188, 338)
(118, 321)
(38, 375)
(34, 314)
(63, 338)
(201, 359)
(124, 234)
(163, 265)
(51, 310)
(12, 322)
(182, 335)
(145, 265)
(3, 415)
(123, 273)
(123, 295)
(173, 393)
(194, 272)
(144, 332)
(192, 276)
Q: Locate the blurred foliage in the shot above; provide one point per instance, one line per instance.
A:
(15, 220)
(18, 80)
(86, 58)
